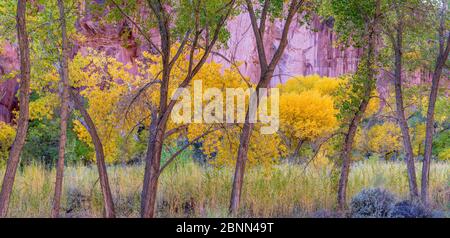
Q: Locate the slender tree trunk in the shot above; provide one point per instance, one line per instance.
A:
(152, 166)
(64, 113)
(242, 155)
(240, 166)
(266, 70)
(160, 118)
(296, 153)
(108, 202)
(24, 97)
(347, 150)
(156, 139)
(368, 88)
(444, 48)
(403, 123)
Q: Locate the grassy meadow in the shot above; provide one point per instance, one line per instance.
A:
(192, 190)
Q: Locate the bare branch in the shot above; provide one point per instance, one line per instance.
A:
(174, 156)
(147, 38)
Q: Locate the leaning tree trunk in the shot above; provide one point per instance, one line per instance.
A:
(351, 132)
(347, 150)
(152, 168)
(403, 123)
(24, 97)
(108, 202)
(64, 113)
(244, 144)
(267, 70)
(442, 59)
(156, 140)
(240, 166)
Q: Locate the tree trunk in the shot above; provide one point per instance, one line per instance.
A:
(347, 151)
(24, 97)
(152, 167)
(444, 48)
(296, 152)
(64, 113)
(266, 70)
(243, 149)
(160, 118)
(403, 123)
(351, 132)
(240, 166)
(108, 202)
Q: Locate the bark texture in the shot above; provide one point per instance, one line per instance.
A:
(444, 49)
(22, 122)
(160, 115)
(267, 69)
(64, 73)
(369, 86)
(401, 119)
(108, 202)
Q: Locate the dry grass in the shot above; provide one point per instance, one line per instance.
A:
(190, 190)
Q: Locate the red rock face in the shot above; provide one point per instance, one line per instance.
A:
(311, 50)
(9, 62)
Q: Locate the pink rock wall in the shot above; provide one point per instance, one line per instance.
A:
(311, 50)
(9, 62)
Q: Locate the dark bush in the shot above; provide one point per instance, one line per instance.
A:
(409, 209)
(372, 203)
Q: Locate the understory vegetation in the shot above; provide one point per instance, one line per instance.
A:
(189, 189)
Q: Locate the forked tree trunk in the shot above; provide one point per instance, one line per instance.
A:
(266, 69)
(108, 202)
(347, 150)
(444, 49)
(160, 117)
(297, 149)
(64, 113)
(403, 123)
(152, 167)
(24, 97)
(240, 166)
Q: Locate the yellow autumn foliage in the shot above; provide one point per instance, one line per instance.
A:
(308, 115)
(307, 110)
(105, 81)
(384, 138)
(299, 84)
(7, 135)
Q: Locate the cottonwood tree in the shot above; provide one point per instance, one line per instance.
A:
(44, 84)
(195, 25)
(108, 202)
(268, 10)
(403, 18)
(356, 22)
(307, 111)
(64, 74)
(24, 97)
(440, 64)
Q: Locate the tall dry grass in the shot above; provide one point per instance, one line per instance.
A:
(190, 190)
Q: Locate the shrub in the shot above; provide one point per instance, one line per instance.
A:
(372, 203)
(7, 135)
(409, 209)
